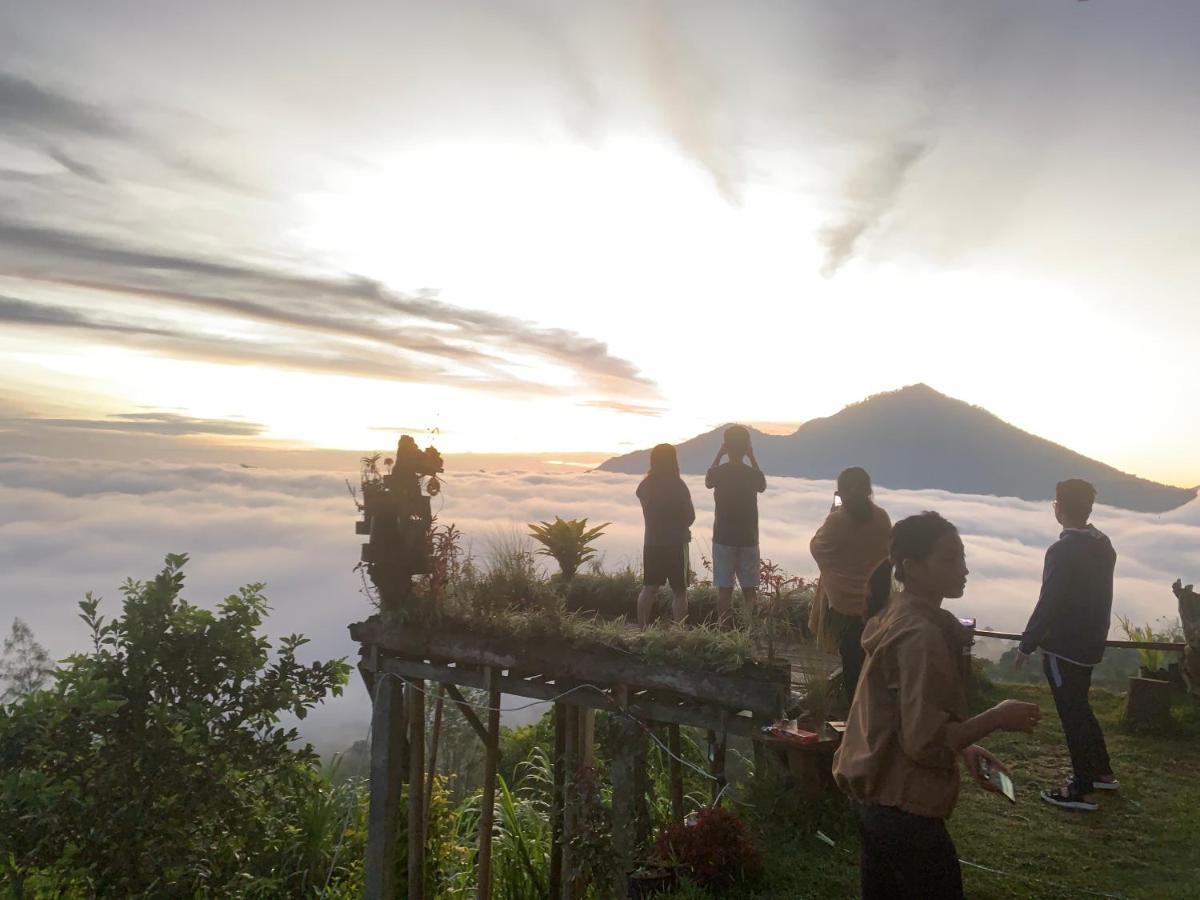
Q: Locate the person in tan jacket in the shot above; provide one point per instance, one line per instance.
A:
(848, 548)
(908, 723)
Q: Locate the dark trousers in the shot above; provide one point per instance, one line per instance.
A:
(849, 630)
(906, 856)
(1069, 683)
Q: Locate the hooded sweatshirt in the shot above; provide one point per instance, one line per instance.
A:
(894, 752)
(1073, 612)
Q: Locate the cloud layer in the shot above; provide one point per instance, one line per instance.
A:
(69, 526)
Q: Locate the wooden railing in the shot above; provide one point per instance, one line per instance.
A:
(1168, 646)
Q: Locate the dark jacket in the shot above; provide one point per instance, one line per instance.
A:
(1072, 615)
(667, 509)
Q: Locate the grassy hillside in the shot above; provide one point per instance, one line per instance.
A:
(1144, 842)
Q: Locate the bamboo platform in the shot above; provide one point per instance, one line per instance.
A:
(399, 665)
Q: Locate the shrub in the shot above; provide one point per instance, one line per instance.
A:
(714, 852)
(567, 541)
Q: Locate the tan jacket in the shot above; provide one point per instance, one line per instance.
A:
(894, 752)
(846, 553)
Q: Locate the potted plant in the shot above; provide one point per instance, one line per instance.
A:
(567, 541)
(1149, 699)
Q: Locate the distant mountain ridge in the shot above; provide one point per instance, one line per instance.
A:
(917, 438)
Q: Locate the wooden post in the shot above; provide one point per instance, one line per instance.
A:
(630, 828)
(1148, 702)
(675, 745)
(570, 797)
(556, 808)
(431, 763)
(416, 790)
(387, 765)
(587, 735)
(487, 811)
(716, 762)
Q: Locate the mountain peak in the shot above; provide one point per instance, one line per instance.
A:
(918, 438)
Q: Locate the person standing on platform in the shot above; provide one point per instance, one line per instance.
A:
(848, 548)
(668, 513)
(735, 486)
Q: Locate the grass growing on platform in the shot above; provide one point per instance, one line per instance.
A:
(1142, 843)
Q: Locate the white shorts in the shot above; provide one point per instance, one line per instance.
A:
(740, 561)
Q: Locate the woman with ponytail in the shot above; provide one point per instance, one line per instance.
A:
(668, 513)
(908, 724)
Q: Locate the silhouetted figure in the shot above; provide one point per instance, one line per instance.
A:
(735, 487)
(668, 513)
(909, 723)
(1070, 625)
(848, 548)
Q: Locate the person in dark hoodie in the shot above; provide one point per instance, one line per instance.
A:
(909, 724)
(1070, 625)
(668, 513)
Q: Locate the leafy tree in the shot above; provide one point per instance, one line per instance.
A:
(156, 763)
(25, 665)
(567, 541)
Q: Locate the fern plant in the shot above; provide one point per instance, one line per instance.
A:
(1151, 660)
(567, 541)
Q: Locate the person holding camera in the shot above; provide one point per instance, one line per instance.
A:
(848, 548)
(735, 486)
(908, 725)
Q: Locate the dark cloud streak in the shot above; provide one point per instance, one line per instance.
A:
(170, 424)
(304, 301)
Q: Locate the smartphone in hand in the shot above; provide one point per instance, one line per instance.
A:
(999, 779)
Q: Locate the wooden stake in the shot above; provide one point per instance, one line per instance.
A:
(675, 745)
(433, 752)
(387, 732)
(716, 765)
(570, 798)
(556, 808)
(416, 790)
(628, 741)
(488, 811)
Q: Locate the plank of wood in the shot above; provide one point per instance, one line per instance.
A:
(675, 746)
(460, 701)
(759, 688)
(415, 701)
(487, 813)
(556, 802)
(690, 713)
(387, 727)
(1169, 646)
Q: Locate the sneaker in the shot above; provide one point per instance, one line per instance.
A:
(1108, 784)
(1068, 798)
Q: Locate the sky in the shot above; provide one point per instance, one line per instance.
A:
(86, 525)
(540, 226)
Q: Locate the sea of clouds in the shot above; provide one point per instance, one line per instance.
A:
(70, 526)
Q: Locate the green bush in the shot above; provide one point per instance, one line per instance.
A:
(156, 764)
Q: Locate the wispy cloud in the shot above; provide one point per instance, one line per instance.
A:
(867, 199)
(406, 331)
(157, 423)
(31, 107)
(688, 97)
(633, 409)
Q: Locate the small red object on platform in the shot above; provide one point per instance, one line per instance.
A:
(788, 731)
